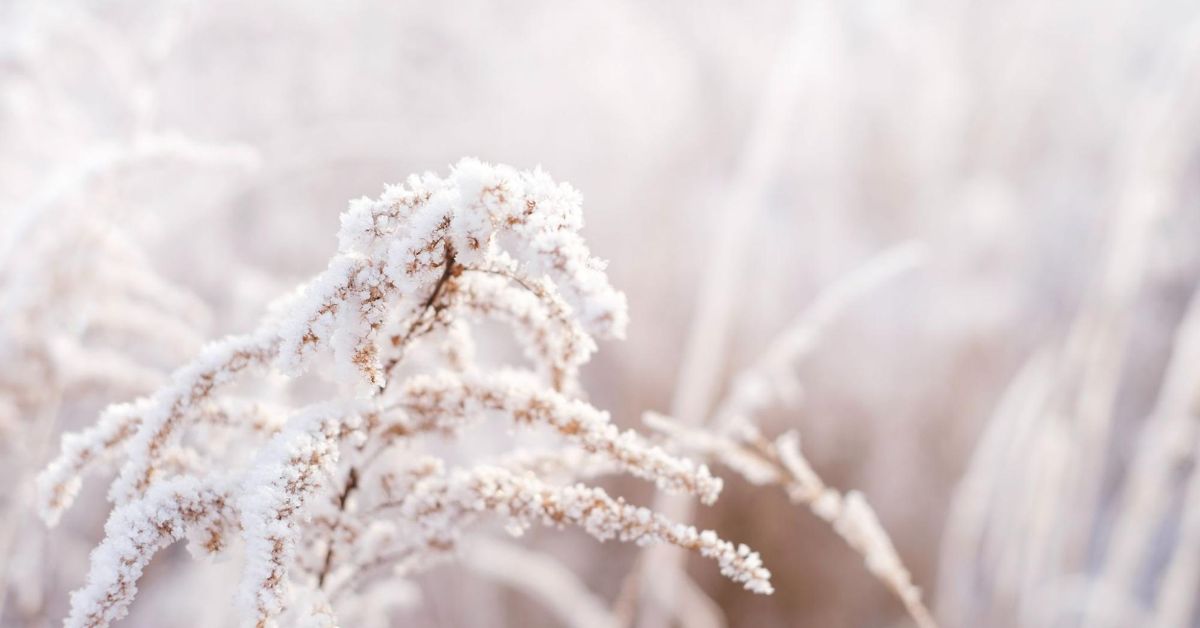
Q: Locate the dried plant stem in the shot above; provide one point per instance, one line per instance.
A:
(735, 439)
(1151, 157)
(851, 517)
(781, 463)
(985, 488)
(1175, 603)
(1169, 441)
(348, 488)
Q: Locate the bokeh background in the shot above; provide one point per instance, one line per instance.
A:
(736, 159)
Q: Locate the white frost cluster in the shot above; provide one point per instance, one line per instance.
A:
(395, 247)
(328, 500)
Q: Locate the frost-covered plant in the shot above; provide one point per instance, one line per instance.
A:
(329, 496)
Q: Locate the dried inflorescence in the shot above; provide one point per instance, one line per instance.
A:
(326, 500)
(736, 441)
(781, 463)
(439, 500)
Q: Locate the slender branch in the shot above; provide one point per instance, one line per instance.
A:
(432, 303)
(342, 498)
(503, 273)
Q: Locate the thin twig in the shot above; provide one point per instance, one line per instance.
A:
(343, 497)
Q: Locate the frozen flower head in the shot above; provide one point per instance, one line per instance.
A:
(418, 237)
(328, 498)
